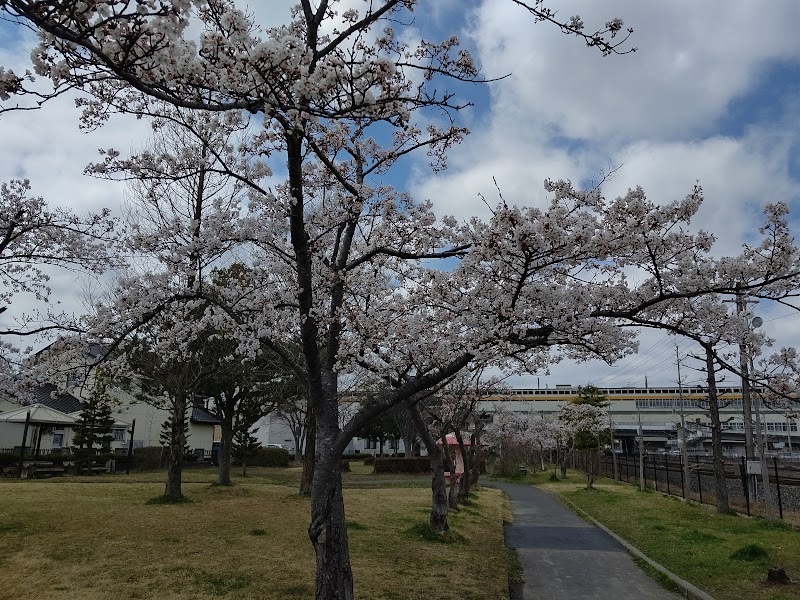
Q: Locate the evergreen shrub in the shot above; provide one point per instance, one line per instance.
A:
(414, 464)
(269, 457)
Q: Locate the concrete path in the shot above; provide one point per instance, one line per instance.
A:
(565, 558)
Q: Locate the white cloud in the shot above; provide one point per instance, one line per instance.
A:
(692, 60)
(565, 112)
(737, 179)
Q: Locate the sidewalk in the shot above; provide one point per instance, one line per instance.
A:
(564, 557)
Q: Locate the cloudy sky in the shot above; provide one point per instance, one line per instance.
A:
(712, 94)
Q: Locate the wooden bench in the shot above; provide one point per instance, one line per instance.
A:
(523, 470)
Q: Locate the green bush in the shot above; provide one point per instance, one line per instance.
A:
(149, 458)
(64, 456)
(344, 466)
(269, 457)
(189, 457)
(7, 459)
(369, 461)
(414, 464)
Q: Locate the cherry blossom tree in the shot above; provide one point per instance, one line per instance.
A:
(437, 519)
(540, 434)
(182, 222)
(584, 421)
(345, 263)
(294, 414)
(34, 237)
(504, 433)
(451, 409)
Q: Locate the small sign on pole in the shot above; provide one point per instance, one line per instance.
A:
(754, 467)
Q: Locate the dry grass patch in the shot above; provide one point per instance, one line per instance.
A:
(727, 556)
(63, 539)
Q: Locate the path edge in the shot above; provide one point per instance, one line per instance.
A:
(689, 591)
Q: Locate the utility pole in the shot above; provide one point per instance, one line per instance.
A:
(641, 453)
(683, 441)
(130, 448)
(747, 406)
(769, 510)
(744, 367)
(613, 452)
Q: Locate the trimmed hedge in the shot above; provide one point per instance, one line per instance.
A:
(369, 460)
(414, 464)
(149, 458)
(8, 459)
(268, 457)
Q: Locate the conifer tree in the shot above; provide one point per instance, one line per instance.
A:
(245, 446)
(95, 422)
(166, 434)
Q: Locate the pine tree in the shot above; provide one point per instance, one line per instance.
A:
(166, 434)
(95, 423)
(245, 446)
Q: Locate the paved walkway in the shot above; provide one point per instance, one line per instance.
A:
(565, 558)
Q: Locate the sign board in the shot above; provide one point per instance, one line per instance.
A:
(754, 467)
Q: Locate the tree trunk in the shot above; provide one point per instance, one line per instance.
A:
(438, 516)
(309, 452)
(408, 443)
(720, 485)
(328, 531)
(224, 457)
(244, 466)
(298, 450)
(541, 458)
(466, 476)
(477, 461)
(450, 465)
(572, 453)
(176, 443)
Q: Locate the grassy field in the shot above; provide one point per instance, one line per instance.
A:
(96, 538)
(727, 556)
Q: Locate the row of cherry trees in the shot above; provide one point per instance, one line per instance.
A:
(531, 438)
(341, 272)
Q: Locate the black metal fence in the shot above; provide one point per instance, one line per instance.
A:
(29, 451)
(666, 473)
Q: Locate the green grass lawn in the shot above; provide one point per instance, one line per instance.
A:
(96, 538)
(726, 556)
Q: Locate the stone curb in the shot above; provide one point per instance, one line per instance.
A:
(688, 590)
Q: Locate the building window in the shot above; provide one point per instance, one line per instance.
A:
(119, 434)
(371, 444)
(58, 440)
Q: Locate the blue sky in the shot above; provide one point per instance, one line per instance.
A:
(712, 94)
